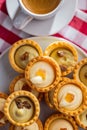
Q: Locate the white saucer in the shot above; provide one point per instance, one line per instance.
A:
(50, 26)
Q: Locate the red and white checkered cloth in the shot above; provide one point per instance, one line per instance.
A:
(75, 31)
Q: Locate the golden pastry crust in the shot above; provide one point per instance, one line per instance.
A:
(71, 111)
(49, 100)
(60, 116)
(80, 71)
(67, 46)
(55, 68)
(12, 98)
(79, 122)
(40, 125)
(24, 86)
(2, 116)
(19, 44)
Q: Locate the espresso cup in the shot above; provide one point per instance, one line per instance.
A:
(35, 9)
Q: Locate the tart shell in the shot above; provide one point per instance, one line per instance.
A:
(18, 44)
(15, 95)
(84, 101)
(66, 45)
(54, 65)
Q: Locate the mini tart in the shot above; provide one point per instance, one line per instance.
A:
(60, 122)
(35, 126)
(80, 71)
(22, 108)
(70, 97)
(3, 119)
(19, 83)
(64, 54)
(22, 52)
(49, 95)
(81, 119)
(49, 98)
(42, 74)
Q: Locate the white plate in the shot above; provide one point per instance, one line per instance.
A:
(7, 73)
(50, 26)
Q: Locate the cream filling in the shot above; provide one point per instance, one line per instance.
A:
(67, 59)
(60, 124)
(33, 126)
(21, 114)
(70, 97)
(20, 51)
(83, 118)
(19, 84)
(42, 74)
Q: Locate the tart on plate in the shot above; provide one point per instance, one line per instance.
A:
(19, 83)
(60, 122)
(70, 97)
(80, 71)
(35, 126)
(22, 108)
(42, 73)
(22, 52)
(64, 54)
(81, 119)
(3, 119)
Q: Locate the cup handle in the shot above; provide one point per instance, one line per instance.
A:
(21, 19)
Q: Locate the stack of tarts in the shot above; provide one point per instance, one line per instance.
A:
(45, 75)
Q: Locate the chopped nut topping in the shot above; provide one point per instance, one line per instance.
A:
(24, 128)
(86, 75)
(26, 104)
(25, 56)
(26, 87)
(1, 115)
(21, 104)
(60, 53)
(63, 68)
(63, 128)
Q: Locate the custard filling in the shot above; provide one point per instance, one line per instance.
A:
(83, 74)
(33, 126)
(22, 85)
(70, 97)
(21, 109)
(83, 117)
(63, 57)
(42, 74)
(24, 54)
(60, 124)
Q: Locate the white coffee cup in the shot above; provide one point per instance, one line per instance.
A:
(24, 15)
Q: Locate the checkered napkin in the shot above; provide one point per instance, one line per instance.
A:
(75, 31)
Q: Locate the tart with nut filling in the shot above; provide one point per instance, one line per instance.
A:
(80, 71)
(42, 74)
(22, 52)
(64, 54)
(70, 97)
(22, 108)
(3, 119)
(81, 119)
(19, 83)
(35, 126)
(60, 122)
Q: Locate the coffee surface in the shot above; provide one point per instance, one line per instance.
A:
(41, 6)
